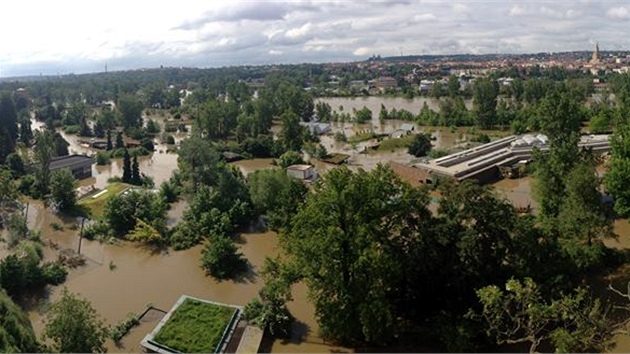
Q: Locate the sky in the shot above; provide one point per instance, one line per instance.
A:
(52, 37)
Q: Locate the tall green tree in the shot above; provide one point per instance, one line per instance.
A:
(8, 115)
(342, 241)
(44, 152)
(109, 140)
(16, 331)
(292, 133)
(119, 141)
(63, 189)
(130, 111)
(127, 172)
(617, 178)
(485, 92)
(74, 326)
(559, 118)
(135, 177)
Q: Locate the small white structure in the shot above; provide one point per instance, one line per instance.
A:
(317, 128)
(301, 172)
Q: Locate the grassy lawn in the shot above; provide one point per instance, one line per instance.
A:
(96, 204)
(361, 137)
(195, 327)
(395, 143)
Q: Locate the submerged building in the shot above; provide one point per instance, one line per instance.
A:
(482, 163)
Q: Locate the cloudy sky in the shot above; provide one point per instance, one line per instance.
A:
(65, 36)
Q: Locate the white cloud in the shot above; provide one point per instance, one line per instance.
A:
(619, 13)
(424, 17)
(517, 11)
(73, 35)
(302, 31)
(362, 51)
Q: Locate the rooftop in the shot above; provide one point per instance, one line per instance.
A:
(69, 161)
(194, 326)
(299, 167)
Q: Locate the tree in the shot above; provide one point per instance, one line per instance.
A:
(421, 145)
(292, 131)
(363, 115)
(120, 144)
(582, 220)
(60, 145)
(130, 111)
(341, 241)
(520, 314)
(617, 178)
(8, 116)
(63, 189)
(453, 86)
(44, 152)
(560, 120)
(109, 140)
(290, 158)
(16, 332)
(99, 129)
(275, 195)
(485, 92)
(135, 177)
(26, 134)
(127, 173)
(74, 326)
(221, 259)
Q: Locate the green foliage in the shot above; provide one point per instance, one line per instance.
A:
(269, 311)
(275, 195)
(102, 158)
(421, 145)
(74, 326)
(343, 227)
(21, 273)
(153, 127)
(123, 327)
(63, 189)
(16, 332)
(363, 115)
(617, 178)
(145, 233)
(437, 153)
(570, 323)
(485, 92)
(292, 132)
(341, 137)
(122, 212)
(221, 259)
(127, 172)
(290, 158)
(44, 152)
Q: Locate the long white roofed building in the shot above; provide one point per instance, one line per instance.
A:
(482, 162)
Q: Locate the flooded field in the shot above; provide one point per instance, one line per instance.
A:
(414, 105)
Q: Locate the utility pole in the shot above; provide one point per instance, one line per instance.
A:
(81, 235)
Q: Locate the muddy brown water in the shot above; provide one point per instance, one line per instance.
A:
(125, 277)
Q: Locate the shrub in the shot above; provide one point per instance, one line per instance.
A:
(290, 158)
(221, 259)
(102, 158)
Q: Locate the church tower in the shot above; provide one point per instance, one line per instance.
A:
(595, 58)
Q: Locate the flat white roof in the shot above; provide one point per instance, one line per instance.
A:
(299, 167)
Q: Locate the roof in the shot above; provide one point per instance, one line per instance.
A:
(299, 167)
(69, 161)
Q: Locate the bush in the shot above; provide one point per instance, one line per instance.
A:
(420, 145)
(341, 137)
(290, 158)
(122, 327)
(437, 153)
(221, 259)
(54, 273)
(102, 158)
(72, 129)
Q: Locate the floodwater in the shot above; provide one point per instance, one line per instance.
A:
(518, 191)
(122, 278)
(414, 105)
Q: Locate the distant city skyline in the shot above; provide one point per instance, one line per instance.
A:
(71, 36)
